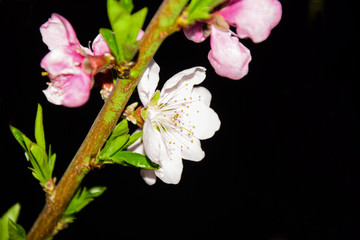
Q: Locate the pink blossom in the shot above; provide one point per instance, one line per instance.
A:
(69, 65)
(252, 18)
(228, 56)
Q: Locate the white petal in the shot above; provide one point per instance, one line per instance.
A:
(192, 149)
(171, 169)
(202, 120)
(148, 176)
(202, 94)
(54, 95)
(137, 146)
(148, 82)
(181, 84)
(152, 141)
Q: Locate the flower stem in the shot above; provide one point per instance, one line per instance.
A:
(162, 25)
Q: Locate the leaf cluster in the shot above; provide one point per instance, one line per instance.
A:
(120, 139)
(125, 29)
(42, 163)
(9, 229)
(81, 198)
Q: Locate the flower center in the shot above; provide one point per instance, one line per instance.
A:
(174, 121)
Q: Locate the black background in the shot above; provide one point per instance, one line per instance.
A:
(284, 165)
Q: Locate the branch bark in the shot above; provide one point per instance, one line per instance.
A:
(162, 25)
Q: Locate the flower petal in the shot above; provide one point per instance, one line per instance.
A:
(148, 82)
(171, 169)
(100, 46)
(57, 31)
(77, 90)
(228, 56)
(202, 94)
(152, 141)
(191, 149)
(195, 33)
(148, 176)
(62, 60)
(181, 84)
(54, 94)
(253, 18)
(203, 120)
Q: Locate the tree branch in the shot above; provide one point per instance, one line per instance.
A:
(162, 25)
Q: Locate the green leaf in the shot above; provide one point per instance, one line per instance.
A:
(42, 165)
(131, 46)
(201, 9)
(115, 146)
(116, 9)
(132, 139)
(39, 128)
(12, 214)
(117, 139)
(18, 136)
(109, 37)
(16, 232)
(81, 198)
(126, 27)
(120, 129)
(41, 160)
(133, 159)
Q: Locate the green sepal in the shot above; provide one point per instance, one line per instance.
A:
(39, 128)
(155, 99)
(81, 198)
(201, 9)
(16, 232)
(126, 158)
(13, 214)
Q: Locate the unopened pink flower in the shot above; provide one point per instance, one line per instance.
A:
(69, 65)
(252, 18)
(228, 56)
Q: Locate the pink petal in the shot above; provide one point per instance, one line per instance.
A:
(57, 31)
(228, 56)
(140, 35)
(77, 90)
(100, 46)
(195, 33)
(62, 60)
(253, 18)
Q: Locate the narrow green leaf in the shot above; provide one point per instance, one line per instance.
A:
(82, 198)
(132, 139)
(117, 139)
(134, 159)
(41, 160)
(109, 37)
(120, 129)
(117, 8)
(39, 128)
(131, 44)
(16, 232)
(18, 136)
(12, 214)
(115, 146)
